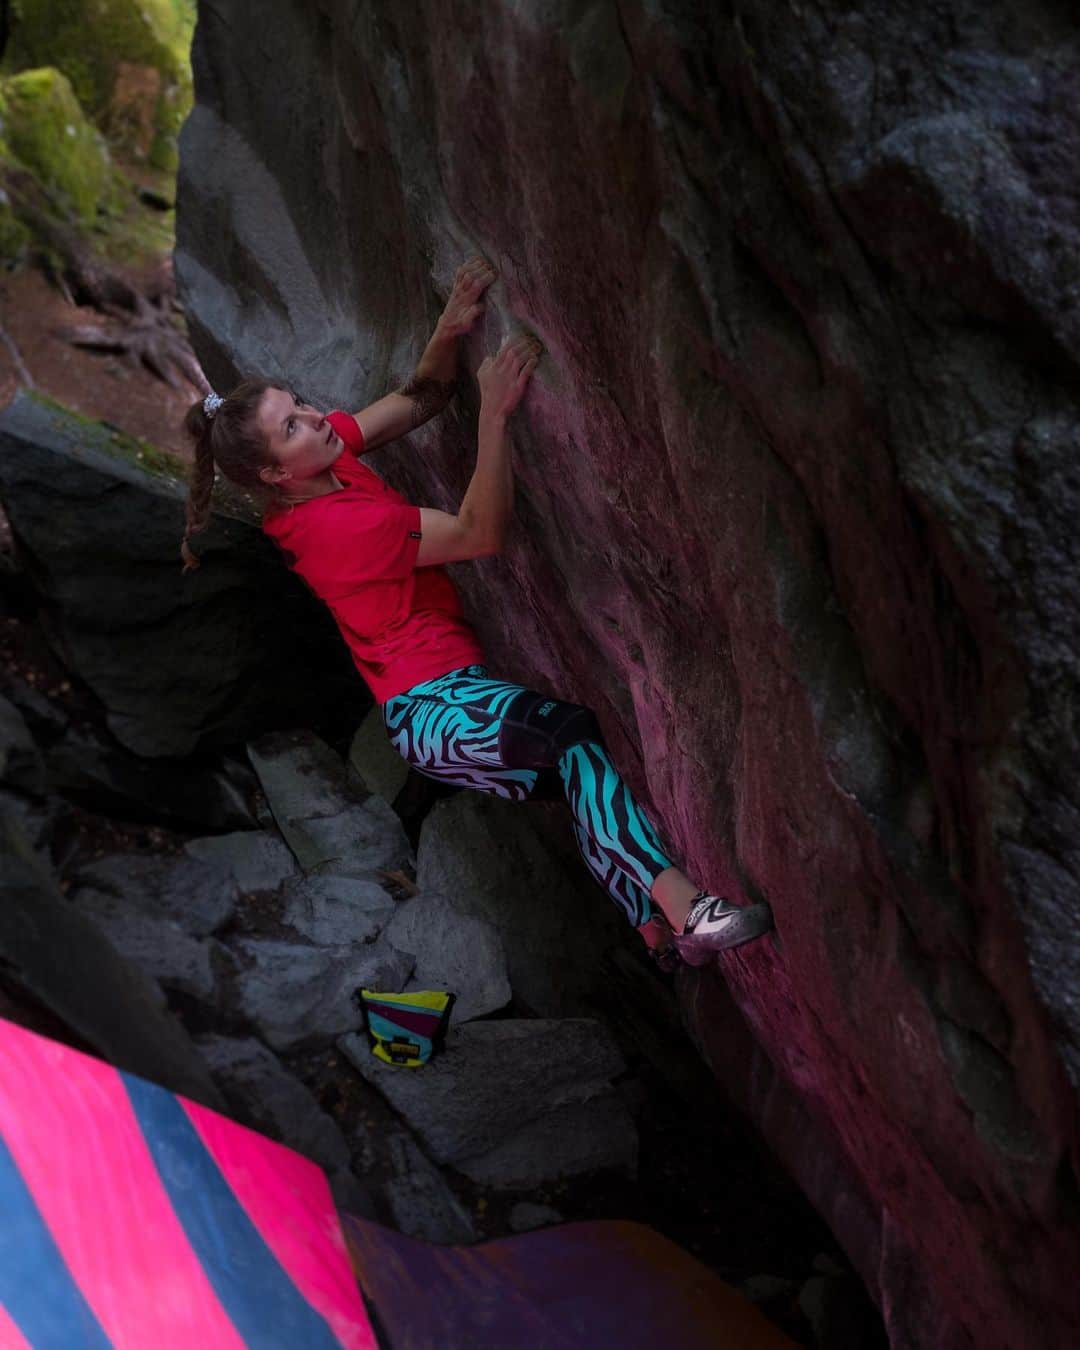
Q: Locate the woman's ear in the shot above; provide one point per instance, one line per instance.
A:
(270, 473)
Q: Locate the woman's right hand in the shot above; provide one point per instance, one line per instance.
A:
(503, 378)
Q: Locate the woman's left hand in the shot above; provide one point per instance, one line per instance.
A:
(465, 306)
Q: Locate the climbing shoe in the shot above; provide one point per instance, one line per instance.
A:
(714, 924)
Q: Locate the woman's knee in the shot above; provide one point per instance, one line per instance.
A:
(536, 731)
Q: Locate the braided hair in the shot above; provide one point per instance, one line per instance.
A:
(231, 439)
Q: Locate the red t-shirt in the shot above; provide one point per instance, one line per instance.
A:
(357, 549)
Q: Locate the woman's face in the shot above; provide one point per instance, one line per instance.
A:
(302, 441)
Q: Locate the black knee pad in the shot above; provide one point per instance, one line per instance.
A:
(537, 730)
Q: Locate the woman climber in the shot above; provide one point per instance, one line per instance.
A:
(376, 561)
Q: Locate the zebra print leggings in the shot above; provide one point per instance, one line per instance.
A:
(448, 728)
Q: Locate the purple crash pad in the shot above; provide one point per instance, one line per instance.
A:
(580, 1285)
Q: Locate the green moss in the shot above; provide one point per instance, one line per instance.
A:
(109, 440)
(44, 128)
(14, 236)
(96, 43)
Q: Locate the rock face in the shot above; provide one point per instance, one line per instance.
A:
(795, 504)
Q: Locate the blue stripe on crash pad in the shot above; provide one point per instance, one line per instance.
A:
(256, 1292)
(36, 1288)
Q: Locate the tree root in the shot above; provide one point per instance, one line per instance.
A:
(145, 326)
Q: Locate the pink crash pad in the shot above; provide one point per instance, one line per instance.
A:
(134, 1218)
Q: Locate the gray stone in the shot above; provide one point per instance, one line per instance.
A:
(199, 897)
(525, 1216)
(37, 818)
(453, 951)
(552, 920)
(257, 859)
(157, 945)
(319, 812)
(301, 997)
(45, 720)
(333, 911)
(580, 1137)
(181, 661)
(62, 959)
(351, 1195)
(21, 764)
(262, 1093)
(374, 761)
(491, 1079)
(419, 1199)
(108, 778)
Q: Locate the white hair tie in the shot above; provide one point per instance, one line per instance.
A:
(211, 403)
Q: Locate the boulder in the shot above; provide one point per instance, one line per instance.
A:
(157, 945)
(492, 1080)
(418, 1198)
(262, 1093)
(375, 763)
(256, 859)
(44, 719)
(336, 911)
(553, 921)
(591, 1136)
(320, 812)
(21, 765)
(299, 997)
(130, 68)
(453, 951)
(106, 778)
(182, 662)
(197, 896)
(46, 130)
(61, 958)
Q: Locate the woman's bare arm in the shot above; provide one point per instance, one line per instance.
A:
(431, 385)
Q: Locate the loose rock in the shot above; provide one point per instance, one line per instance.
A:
(336, 911)
(420, 1202)
(454, 952)
(328, 829)
(200, 898)
(157, 945)
(581, 1137)
(262, 1093)
(257, 859)
(301, 997)
(491, 1079)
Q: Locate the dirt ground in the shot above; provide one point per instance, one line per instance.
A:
(98, 384)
